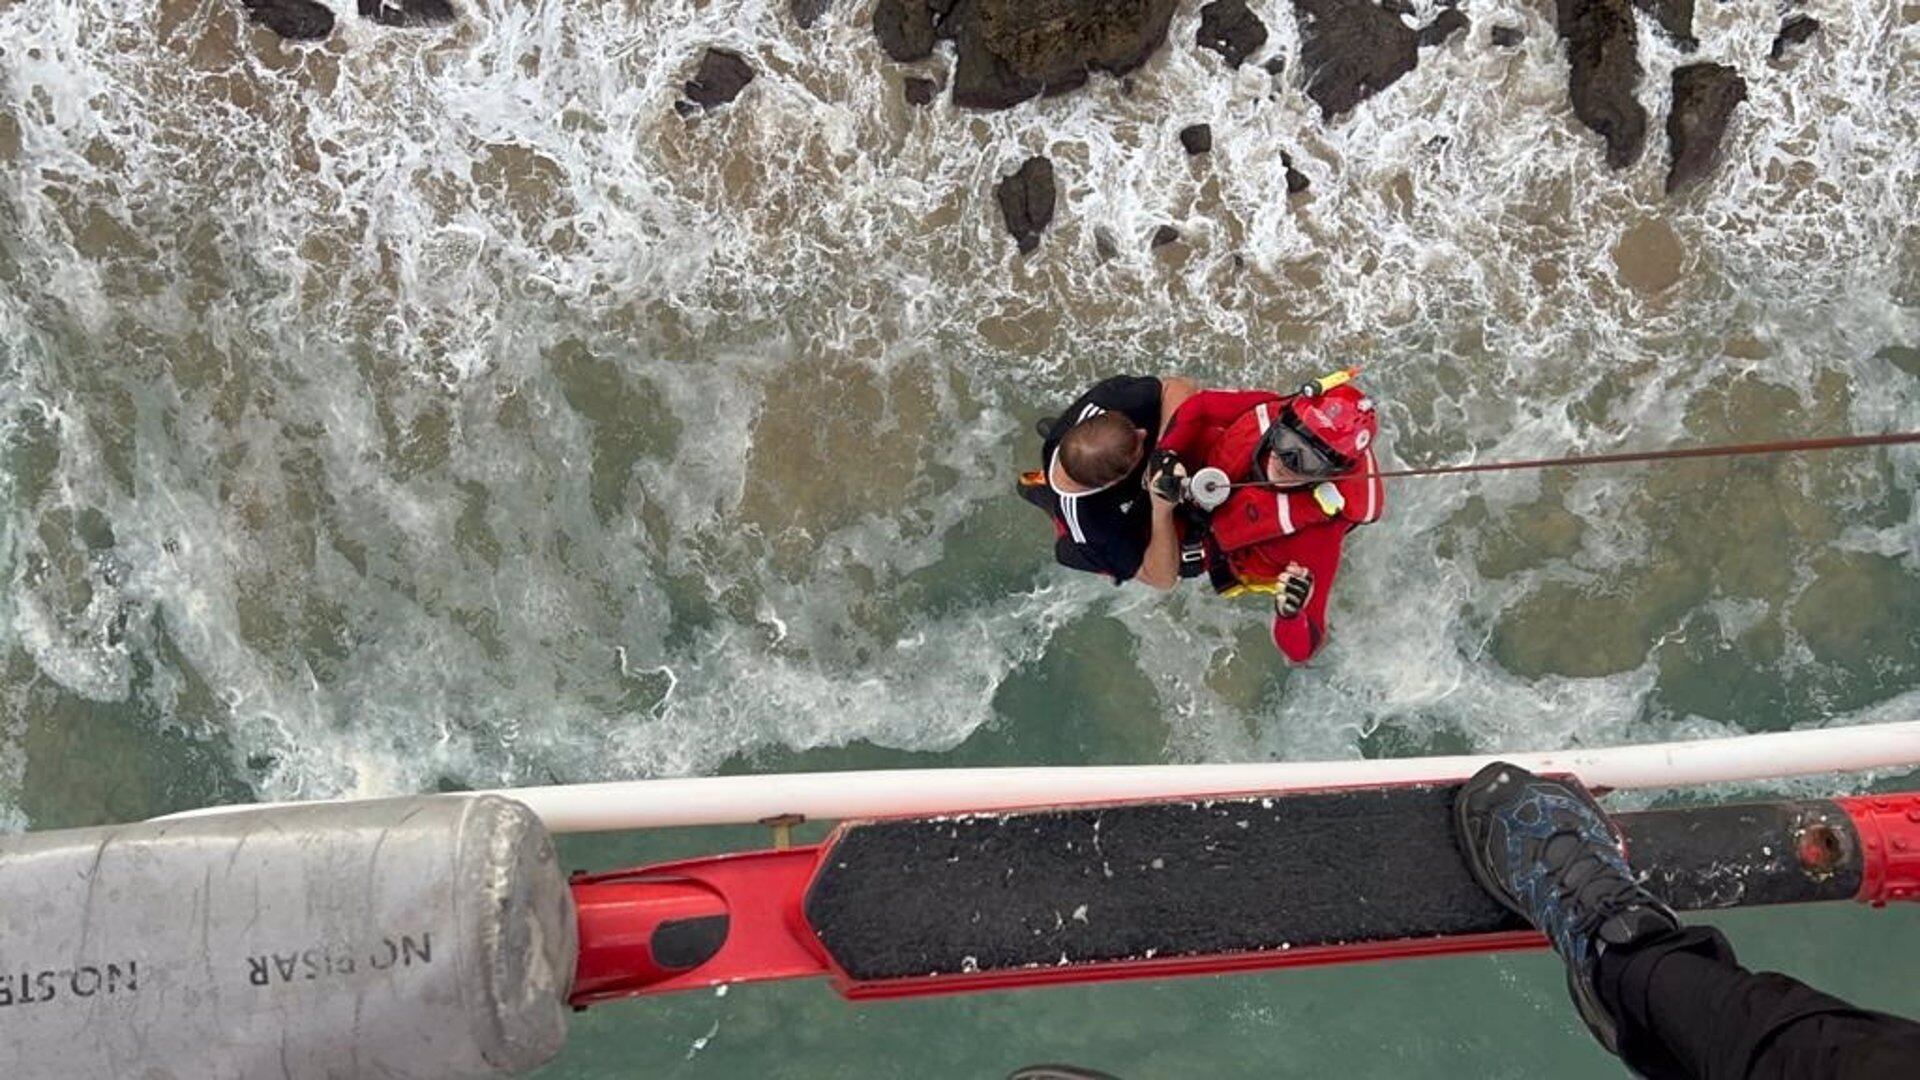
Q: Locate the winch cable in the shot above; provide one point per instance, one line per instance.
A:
(1782, 446)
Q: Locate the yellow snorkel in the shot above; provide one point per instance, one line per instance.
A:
(1324, 383)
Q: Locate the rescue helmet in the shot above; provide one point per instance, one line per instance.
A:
(1340, 422)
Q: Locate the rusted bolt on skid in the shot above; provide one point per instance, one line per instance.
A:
(1820, 849)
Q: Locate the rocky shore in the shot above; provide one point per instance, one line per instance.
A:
(1006, 52)
(310, 20)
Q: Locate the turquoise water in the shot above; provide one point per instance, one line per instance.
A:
(434, 411)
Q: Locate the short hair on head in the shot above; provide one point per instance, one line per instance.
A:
(1098, 451)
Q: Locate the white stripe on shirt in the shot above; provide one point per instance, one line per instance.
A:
(1070, 512)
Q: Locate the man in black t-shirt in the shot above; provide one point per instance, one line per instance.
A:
(1094, 463)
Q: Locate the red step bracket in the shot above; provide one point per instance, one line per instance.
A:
(741, 918)
(1889, 828)
(701, 922)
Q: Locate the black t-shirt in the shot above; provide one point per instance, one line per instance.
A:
(1106, 531)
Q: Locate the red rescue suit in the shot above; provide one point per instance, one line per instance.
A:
(1259, 530)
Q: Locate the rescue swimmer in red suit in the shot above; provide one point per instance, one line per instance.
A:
(1313, 450)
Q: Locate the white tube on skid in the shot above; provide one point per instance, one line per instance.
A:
(736, 800)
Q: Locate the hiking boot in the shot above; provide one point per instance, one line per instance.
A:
(1547, 852)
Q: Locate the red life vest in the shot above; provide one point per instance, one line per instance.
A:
(1243, 527)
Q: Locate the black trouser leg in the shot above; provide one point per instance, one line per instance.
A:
(1686, 1008)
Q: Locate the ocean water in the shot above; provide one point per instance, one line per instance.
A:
(435, 410)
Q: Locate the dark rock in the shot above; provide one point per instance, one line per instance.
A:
(1795, 30)
(1012, 50)
(1397, 7)
(1506, 37)
(295, 20)
(94, 529)
(1197, 138)
(685, 107)
(1675, 17)
(1904, 357)
(808, 12)
(1297, 181)
(1352, 50)
(1228, 28)
(1275, 64)
(1026, 201)
(408, 13)
(1448, 23)
(919, 91)
(1103, 244)
(1164, 235)
(905, 29)
(1703, 99)
(720, 78)
(1600, 42)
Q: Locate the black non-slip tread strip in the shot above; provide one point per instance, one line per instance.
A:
(1742, 855)
(909, 898)
(903, 899)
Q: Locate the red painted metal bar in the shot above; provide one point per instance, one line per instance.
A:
(627, 917)
(740, 918)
